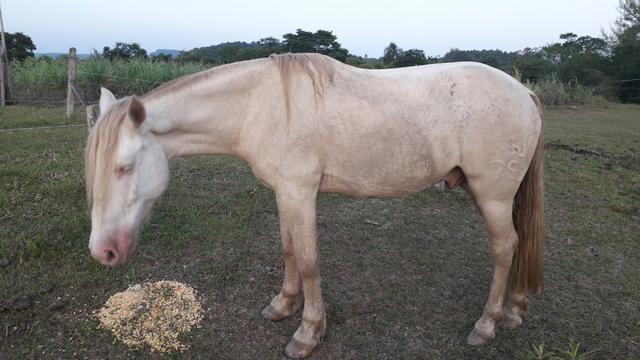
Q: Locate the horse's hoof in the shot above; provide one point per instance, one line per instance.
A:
(476, 338)
(297, 350)
(512, 321)
(270, 313)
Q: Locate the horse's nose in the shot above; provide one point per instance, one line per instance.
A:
(108, 255)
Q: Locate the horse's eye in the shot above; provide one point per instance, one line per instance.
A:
(124, 169)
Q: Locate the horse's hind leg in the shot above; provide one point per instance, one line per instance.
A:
(498, 218)
(290, 298)
(512, 311)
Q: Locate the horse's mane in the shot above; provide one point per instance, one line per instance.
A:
(319, 68)
(101, 149)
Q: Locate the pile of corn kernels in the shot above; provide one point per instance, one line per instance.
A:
(152, 313)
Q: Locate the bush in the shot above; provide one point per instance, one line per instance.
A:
(552, 91)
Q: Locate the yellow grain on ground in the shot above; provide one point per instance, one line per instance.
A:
(152, 313)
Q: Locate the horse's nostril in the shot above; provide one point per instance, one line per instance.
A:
(110, 255)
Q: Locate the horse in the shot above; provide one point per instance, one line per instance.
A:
(306, 123)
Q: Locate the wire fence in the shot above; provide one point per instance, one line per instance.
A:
(45, 82)
(77, 83)
(53, 93)
(42, 83)
(119, 77)
(42, 127)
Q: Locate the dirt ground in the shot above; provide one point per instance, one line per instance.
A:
(402, 278)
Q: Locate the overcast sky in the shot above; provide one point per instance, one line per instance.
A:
(363, 27)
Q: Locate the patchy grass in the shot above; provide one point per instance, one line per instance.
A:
(539, 352)
(17, 116)
(411, 287)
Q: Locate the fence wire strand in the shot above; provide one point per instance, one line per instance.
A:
(119, 77)
(52, 86)
(42, 127)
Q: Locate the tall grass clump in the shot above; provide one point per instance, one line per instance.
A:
(46, 79)
(552, 91)
(32, 72)
(38, 80)
(131, 77)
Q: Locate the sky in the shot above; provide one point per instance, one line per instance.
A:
(363, 27)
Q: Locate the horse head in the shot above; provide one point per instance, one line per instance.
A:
(126, 171)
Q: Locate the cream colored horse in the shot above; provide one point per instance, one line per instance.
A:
(306, 123)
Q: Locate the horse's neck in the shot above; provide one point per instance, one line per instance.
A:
(202, 116)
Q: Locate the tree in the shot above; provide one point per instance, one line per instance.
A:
(363, 62)
(532, 64)
(301, 41)
(497, 58)
(411, 57)
(270, 44)
(19, 46)
(626, 51)
(322, 41)
(124, 51)
(396, 57)
(390, 54)
(629, 16)
(229, 52)
(583, 58)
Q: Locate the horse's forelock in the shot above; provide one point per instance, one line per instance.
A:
(101, 149)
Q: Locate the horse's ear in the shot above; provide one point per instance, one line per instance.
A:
(106, 99)
(137, 112)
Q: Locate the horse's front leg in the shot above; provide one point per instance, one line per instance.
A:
(288, 301)
(297, 208)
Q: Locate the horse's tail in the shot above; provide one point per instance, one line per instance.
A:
(528, 219)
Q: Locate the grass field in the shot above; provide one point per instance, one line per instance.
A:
(410, 287)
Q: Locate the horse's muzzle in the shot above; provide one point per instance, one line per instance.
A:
(115, 250)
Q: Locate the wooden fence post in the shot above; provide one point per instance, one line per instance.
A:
(5, 84)
(3, 96)
(71, 79)
(75, 92)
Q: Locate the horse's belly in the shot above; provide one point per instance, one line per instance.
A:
(381, 176)
(353, 187)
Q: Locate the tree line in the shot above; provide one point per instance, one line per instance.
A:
(610, 64)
